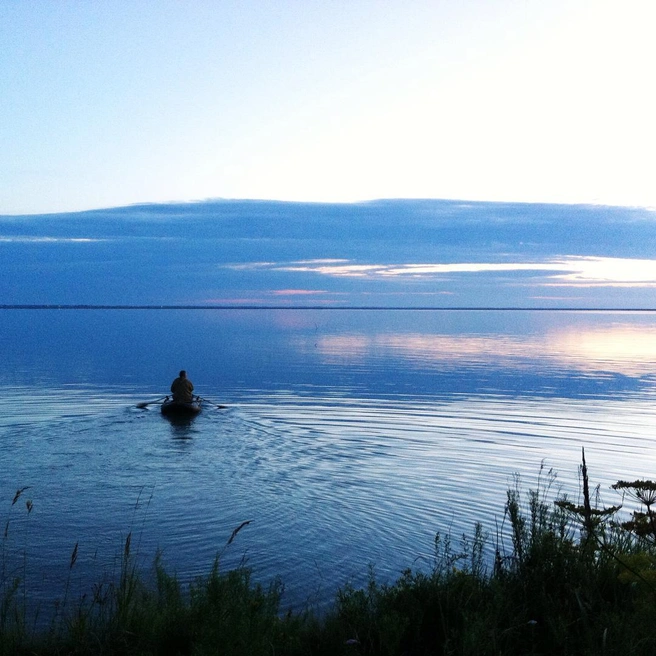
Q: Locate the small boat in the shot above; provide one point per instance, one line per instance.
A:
(171, 408)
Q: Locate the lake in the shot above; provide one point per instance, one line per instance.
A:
(349, 439)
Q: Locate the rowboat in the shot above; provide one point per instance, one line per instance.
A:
(171, 408)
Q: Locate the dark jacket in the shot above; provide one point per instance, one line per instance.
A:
(182, 389)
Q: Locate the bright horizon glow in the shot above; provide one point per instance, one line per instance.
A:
(111, 104)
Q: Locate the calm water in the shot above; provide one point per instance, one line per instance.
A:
(350, 439)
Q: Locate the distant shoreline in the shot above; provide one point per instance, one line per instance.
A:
(321, 307)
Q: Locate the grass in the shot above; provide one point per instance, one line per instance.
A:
(565, 579)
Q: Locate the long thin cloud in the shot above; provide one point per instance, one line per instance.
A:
(49, 240)
(566, 271)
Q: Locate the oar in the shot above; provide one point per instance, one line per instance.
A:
(145, 404)
(216, 405)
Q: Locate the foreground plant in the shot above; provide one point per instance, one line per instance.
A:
(564, 578)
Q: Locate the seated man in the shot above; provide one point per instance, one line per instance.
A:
(182, 388)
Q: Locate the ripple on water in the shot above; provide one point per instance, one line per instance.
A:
(329, 484)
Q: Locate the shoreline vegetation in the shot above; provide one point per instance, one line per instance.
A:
(564, 578)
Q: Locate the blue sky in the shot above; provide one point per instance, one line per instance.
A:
(105, 104)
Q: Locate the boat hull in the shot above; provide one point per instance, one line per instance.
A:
(180, 410)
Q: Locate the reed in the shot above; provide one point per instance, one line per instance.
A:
(13, 576)
(565, 578)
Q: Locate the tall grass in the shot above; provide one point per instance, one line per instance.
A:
(566, 578)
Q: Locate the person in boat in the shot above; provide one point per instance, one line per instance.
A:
(182, 389)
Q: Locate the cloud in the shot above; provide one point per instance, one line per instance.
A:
(309, 265)
(571, 271)
(338, 270)
(49, 240)
(297, 292)
(608, 271)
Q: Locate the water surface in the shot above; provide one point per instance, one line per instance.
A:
(350, 438)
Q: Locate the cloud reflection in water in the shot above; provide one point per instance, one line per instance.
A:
(622, 349)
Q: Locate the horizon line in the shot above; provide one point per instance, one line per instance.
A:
(86, 306)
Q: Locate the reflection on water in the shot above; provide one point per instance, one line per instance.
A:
(625, 349)
(349, 440)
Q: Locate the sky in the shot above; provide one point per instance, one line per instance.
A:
(390, 253)
(106, 104)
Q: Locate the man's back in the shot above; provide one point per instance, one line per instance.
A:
(182, 389)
